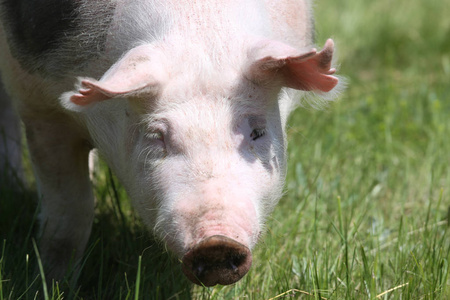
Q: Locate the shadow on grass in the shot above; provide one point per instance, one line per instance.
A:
(109, 269)
(112, 260)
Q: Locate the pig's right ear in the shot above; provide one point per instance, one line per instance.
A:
(136, 74)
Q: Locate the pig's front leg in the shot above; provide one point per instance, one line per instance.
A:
(60, 159)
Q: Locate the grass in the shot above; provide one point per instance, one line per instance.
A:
(366, 209)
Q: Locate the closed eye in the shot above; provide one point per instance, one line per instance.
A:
(257, 133)
(155, 138)
(157, 135)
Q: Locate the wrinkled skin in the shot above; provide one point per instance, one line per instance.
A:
(187, 101)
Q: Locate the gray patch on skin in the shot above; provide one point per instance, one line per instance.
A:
(56, 37)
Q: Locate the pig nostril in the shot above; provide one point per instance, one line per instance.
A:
(233, 267)
(199, 270)
(217, 260)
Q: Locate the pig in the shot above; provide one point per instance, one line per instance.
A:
(186, 100)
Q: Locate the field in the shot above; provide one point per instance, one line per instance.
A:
(367, 203)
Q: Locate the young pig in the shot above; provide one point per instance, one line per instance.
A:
(186, 100)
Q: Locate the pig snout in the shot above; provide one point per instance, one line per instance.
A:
(217, 260)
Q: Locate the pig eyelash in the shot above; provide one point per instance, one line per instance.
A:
(257, 133)
(157, 135)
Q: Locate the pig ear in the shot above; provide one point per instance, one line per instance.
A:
(134, 74)
(308, 71)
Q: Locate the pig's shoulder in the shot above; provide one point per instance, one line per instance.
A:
(55, 37)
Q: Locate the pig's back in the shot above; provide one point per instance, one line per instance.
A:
(292, 21)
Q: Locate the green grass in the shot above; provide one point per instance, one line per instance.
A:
(367, 194)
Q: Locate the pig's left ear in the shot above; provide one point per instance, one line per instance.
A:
(308, 71)
(134, 75)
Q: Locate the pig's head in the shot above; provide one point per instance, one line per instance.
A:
(201, 155)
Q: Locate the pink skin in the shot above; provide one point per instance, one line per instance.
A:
(213, 213)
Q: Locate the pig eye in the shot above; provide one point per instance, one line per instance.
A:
(157, 135)
(257, 133)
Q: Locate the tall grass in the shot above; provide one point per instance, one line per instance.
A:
(365, 214)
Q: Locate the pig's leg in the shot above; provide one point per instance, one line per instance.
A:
(10, 143)
(60, 160)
